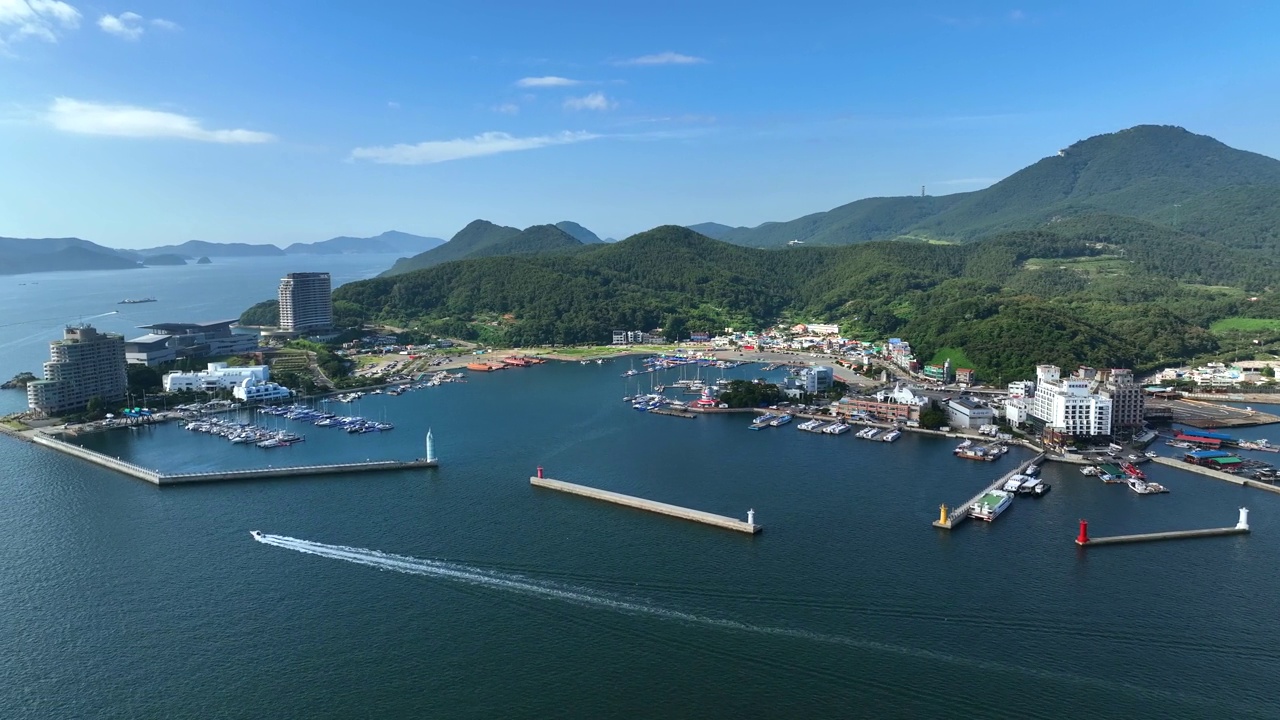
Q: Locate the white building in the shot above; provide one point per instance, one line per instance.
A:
(251, 390)
(216, 376)
(1022, 389)
(83, 365)
(1015, 411)
(1067, 405)
(306, 301)
(966, 413)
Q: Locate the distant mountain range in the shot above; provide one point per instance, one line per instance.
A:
(28, 255)
(482, 238)
(389, 242)
(1158, 173)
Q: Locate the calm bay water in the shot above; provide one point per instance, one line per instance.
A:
(118, 599)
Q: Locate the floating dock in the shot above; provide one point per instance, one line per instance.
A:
(1241, 528)
(155, 477)
(750, 527)
(948, 520)
(673, 412)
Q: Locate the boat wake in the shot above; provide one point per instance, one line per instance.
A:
(586, 597)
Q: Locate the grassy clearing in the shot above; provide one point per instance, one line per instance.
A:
(1091, 266)
(956, 355)
(1221, 289)
(1244, 324)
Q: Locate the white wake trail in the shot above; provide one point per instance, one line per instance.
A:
(511, 582)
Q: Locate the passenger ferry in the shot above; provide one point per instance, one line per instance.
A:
(761, 421)
(837, 429)
(990, 505)
(780, 420)
(892, 435)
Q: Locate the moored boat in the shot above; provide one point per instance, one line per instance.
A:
(990, 505)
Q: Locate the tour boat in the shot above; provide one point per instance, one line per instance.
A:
(990, 506)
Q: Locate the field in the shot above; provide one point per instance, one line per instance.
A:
(1243, 324)
(1099, 265)
(956, 355)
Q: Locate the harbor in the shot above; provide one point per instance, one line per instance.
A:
(989, 502)
(749, 526)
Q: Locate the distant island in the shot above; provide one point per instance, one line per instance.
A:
(164, 259)
(204, 261)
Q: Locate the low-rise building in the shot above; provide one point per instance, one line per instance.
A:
(174, 341)
(965, 376)
(967, 413)
(216, 376)
(250, 390)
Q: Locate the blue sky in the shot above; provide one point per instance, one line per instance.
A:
(135, 123)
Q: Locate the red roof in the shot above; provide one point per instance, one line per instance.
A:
(1214, 442)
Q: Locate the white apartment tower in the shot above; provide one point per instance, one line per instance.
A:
(306, 302)
(1067, 405)
(82, 365)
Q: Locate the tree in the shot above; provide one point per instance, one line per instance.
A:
(95, 406)
(933, 417)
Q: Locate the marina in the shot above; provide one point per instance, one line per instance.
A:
(988, 503)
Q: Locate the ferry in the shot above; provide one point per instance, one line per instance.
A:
(780, 420)
(990, 506)
(892, 435)
(837, 429)
(131, 301)
(257, 534)
(761, 421)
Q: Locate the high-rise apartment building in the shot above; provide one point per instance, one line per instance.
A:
(306, 302)
(1067, 405)
(1128, 406)
(84, 364)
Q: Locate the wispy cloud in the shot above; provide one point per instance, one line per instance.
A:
(131, 25)
(594, 101)
(438, 151)
(393, 105)
(546, 81)
(89, 118)
(663, 58)
(507, 108)
(42, 19)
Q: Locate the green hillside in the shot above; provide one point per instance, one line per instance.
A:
(1159, 173)
(477, 235)
(579, 233)
(986, 299)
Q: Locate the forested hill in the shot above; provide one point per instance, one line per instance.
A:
(1099, 290)
(482, 238)
(1149, 172)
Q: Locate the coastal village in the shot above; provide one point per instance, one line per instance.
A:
(1101, 419)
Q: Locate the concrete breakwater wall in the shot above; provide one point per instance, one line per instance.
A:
(653, 506)
(155, 477)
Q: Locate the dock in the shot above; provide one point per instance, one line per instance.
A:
(750, 527)
(948, 520)
(673, 412)
(156, 477)
(1240, 528)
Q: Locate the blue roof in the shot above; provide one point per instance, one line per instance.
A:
(1202, 433)
(1206, 454)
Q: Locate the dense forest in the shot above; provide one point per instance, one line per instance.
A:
(1100, 290)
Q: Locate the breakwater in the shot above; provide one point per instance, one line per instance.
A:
(156, 477)
(683, 513)
(1217, 474)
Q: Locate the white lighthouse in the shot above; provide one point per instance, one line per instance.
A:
(431, 447)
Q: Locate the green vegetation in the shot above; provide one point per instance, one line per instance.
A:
(1246, 324)
(482, 238)
(19, 381)
(955, 355)
(748, 394)
(263, 314)
(933, 417)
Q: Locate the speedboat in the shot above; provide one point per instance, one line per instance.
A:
(257, 534)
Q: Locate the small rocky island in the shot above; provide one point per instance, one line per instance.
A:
(19, 381)
(204, 261)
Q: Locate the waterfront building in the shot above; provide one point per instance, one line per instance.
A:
(1068, 406)
(172, 341)
(816, 379)
(1015, 411)
(250, 390)
(216, 376)
(1128, 403)
(1022, 389)
(82, 365)
(306, 301)
(967, 413)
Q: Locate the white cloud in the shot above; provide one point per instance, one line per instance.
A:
(664, 58)
(89, 118)
(547, 81)
(131, 25)
(41, 19)
(594, 101)
(438, 151)
(392, 104)
(127, 25)
(507, 109)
